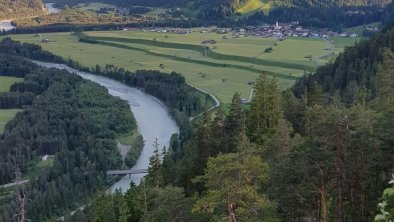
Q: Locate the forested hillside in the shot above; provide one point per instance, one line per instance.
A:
(63, 115)
(20, 8)
(214, 9)
(354, 71)
(330, 3)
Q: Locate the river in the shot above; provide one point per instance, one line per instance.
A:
(50, 8)
(151, 115)
(6, 25)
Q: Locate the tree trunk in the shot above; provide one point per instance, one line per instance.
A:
(323, 194)
(362, 206)
(341, 210)
(339, 170)
(230, 209)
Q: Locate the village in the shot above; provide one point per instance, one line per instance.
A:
(279, 31)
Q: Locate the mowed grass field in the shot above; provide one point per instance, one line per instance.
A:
(341, 43)
(227, 67)
(6, 82)
(7, 114)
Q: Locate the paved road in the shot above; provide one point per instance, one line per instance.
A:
(332, 48)
(217, 102)
(13, 184)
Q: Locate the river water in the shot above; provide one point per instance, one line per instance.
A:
(6, 25)
(152, 119)
(51, 9)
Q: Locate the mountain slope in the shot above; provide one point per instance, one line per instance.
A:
(330, 3)
(221, 9)
(20, 8)
(354, 70)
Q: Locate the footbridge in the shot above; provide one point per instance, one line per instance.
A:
(127, 172)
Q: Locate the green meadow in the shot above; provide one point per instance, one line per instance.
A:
(222, 68)
(6, 82)
(7, 114)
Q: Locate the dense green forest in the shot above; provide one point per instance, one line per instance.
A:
(330, 17)
(354, 71)
(21, 8)
(318, 152)
(326, 14)
(63, 115)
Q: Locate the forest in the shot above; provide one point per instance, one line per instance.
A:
(63, 115)
(316, 152)
(21, 8)
(335, 18)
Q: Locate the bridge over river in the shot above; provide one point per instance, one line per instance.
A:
(127, 172)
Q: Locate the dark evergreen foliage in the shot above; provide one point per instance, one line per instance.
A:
(65, 116)
(355, 69)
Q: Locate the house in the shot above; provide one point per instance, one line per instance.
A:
(208, 42)
(46, 157)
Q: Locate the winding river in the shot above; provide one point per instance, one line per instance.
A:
(152, 118)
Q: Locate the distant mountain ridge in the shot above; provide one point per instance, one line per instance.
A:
(231, 4)
(331, 3)
(21, 8)
(224, 9)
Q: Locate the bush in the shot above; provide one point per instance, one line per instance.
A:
(268, 50)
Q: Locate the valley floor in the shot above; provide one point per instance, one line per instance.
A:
(230, 65)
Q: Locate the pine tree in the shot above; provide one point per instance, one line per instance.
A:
(203, 137)
(386, 79)
(266, 110)
(233, 182)
(234, 124)
(217, 134)
(155, 177)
